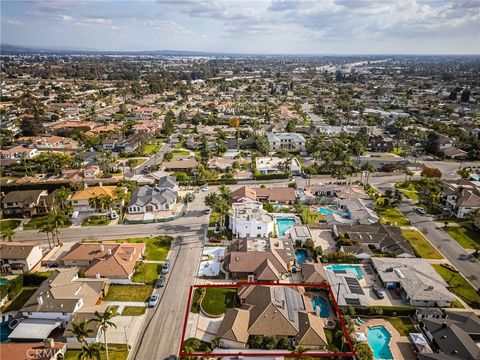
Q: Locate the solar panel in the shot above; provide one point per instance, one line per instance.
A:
(352, 301)
(354, 286)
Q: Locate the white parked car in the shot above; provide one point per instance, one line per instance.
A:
(153, 300)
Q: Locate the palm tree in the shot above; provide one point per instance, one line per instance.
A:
(90, 352)
(57, 219)
(8, 234)
(47, 228)
(105, 322)
(408, 174)
(122, 196)
(81, 330)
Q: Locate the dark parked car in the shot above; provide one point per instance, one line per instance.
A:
(160, 282)
(379, 292)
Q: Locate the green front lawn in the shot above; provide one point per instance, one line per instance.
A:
(195, 297)
(218, 300)
(465, 236)
(9, 224)
(96, 221)
(37, 221)
(408, 189)
(458, 285)
(156, 247)
(421, 245)
(20, 299)
(403, 325)
(129, 292)
(115, 352)
(180, 152)
(150, 149)
(147, 273)
(392, 215)
(133, 311)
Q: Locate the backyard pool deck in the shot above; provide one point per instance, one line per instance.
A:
(400, 346)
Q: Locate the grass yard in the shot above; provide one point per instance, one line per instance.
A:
(195, 297)
(392, 215)
(133, 311)
(147, 273)
(157, 247)
(459, 285)
(421, 245)
(408, 190)
(465, 236)
(215, 218)
(115, 352)
(180, 152)
(96, 221)
(150, 149)
(129, 292)
(403, 325)
(9, 224)
(37, 221)
(218, 300)
(20, 299)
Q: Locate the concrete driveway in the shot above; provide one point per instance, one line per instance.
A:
(126, 331)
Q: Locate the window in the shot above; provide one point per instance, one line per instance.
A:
(259, 228)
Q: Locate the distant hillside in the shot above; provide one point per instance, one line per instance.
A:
(8, 49)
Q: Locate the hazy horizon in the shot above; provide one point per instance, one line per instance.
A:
(327, 27)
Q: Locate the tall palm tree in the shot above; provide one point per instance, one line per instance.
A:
(122, 196)
(57, 219)
(8, 235)
(47, 228)
(81, 330)
(90, 352)
(105, 322)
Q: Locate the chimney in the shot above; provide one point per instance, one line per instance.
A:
(48, 343)
(97, 275)
(109, 251)
(40, 300)
(102, 248)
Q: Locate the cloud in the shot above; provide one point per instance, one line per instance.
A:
(66, 18)
(98, 21)
(14, 22)
(169, 26)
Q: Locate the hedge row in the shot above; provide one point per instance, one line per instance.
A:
(271, 176)
(385, 310)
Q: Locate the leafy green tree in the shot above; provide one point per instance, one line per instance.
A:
(363, 351)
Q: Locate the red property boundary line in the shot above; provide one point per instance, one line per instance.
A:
(292, 354)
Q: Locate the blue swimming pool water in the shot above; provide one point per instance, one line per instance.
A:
(3, 281)
(357, 269)
(326, 211)
(378, 338)
(5, 330)
(301, 256)
(284, 224)
(323, 304)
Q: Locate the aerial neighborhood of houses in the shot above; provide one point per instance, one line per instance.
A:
(209, 207)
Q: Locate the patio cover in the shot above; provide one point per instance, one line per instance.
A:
(34, 329)
(420, 343)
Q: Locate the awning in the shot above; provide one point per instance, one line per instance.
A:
(420, 343)
(34, 329)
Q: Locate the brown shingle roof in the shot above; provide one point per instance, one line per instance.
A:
(234, 325)
(16, 250)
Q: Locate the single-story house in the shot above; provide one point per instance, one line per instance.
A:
(19, 257)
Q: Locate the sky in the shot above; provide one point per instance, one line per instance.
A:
(243, 26)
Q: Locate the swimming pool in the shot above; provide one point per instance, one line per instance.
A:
(323, 304)
(357, 269)
(378, 338)
(301, 256)
(284, 224)
(4, 329)
(326, 211)
(3, 281)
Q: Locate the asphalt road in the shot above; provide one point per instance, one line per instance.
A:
(450, 249)
(162, 331)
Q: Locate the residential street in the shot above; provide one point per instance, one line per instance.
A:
(162, 331)
(444, 243)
